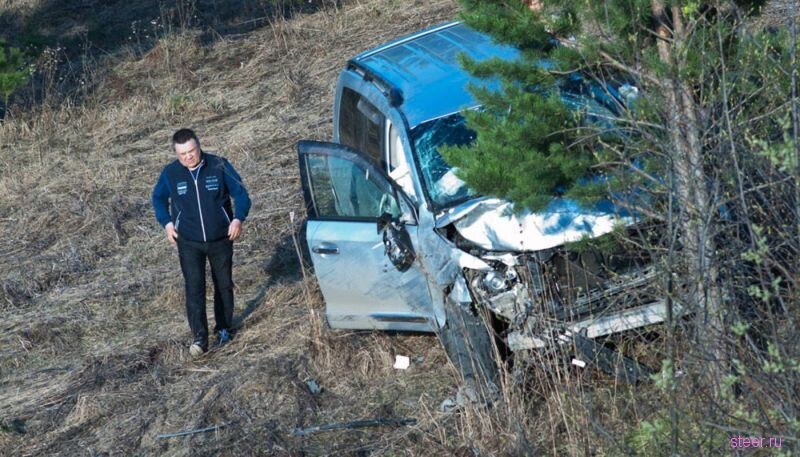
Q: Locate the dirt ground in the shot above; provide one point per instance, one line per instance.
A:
(93, 335)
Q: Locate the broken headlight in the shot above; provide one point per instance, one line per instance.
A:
(501, 291)
(495, 281)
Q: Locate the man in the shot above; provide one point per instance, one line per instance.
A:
(192, 201)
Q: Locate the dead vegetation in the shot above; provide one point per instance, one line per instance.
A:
(93, 338)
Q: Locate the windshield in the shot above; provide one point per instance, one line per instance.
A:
(444, 187)
(598, 103)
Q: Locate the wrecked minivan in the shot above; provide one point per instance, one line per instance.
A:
(399, 242)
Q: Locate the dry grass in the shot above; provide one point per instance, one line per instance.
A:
(93, 338)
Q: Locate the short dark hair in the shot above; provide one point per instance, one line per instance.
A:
(184, 135)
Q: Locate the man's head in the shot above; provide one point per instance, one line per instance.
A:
(187, 148)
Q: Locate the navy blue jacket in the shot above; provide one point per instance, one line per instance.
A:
(198, 202)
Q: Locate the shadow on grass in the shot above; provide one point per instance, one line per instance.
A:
(77, 32)
(283, 267)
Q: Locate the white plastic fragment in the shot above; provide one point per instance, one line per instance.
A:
(401, 362)
(448, 405)
(579, 363)
(313, 386)
(470, 261)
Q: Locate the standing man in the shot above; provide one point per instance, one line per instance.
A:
(192, 201)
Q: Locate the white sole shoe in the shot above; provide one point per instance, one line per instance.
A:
(196, 350)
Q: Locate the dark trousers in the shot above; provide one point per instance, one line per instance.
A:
(193, 255)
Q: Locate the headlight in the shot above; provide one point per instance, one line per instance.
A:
(495, 282)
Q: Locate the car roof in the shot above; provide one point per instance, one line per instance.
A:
(424, 67)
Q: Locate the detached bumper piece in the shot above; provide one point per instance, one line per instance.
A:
(610, 361)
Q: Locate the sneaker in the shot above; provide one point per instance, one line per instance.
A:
(196, 349)
(223, 337)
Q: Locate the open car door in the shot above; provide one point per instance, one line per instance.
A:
(345, 196)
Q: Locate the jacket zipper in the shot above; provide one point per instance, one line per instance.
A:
(178, 220)
(226, 215)
(199, 206)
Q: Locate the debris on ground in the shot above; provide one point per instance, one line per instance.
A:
(401, 362)
(313, 386)
(353, 425)
(212, 428)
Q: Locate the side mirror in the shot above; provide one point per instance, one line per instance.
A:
(384, 222)
(396, 242)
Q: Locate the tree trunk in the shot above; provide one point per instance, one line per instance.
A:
(691, 188)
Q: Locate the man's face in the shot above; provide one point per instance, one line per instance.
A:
(188, 153)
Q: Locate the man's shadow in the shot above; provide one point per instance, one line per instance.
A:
(283, 267)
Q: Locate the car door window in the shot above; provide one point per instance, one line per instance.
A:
(397, 157)
(398, 168)
(343, 190)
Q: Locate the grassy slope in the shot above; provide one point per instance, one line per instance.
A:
(93, 335)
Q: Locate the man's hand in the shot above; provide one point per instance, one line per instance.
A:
(235, 229)
(172, 234)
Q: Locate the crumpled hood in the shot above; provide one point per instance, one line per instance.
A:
(492, 224)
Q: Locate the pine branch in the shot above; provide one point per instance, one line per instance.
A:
(628, 69)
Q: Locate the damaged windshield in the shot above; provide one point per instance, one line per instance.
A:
(444, 187)
(599, 105)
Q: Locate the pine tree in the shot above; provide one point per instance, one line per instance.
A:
(13, 73)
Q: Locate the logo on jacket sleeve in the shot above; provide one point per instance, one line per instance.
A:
(182, 187)
(212, 183)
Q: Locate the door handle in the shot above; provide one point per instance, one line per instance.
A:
(329, 249)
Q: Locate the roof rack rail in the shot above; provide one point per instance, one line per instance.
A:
(393, 94)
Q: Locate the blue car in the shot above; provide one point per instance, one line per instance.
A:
(399, 242)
